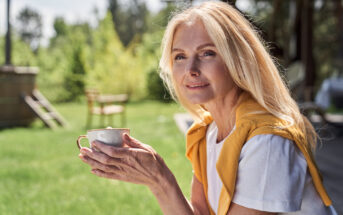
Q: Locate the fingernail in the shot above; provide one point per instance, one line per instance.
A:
(126, 136)
(95, 149)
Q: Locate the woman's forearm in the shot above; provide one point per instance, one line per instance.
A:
(170, 197)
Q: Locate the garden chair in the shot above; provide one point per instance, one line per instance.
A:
(105, 106)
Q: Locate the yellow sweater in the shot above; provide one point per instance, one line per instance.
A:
(251, 120)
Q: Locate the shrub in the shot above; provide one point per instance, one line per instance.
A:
(75, 79)
(156, 88)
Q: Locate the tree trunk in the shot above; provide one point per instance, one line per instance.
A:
(307, 49)
(275, 49)
(8, 36)
(274, 18)
(298, 31)
(339, 19)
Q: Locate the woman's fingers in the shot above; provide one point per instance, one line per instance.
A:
(106, 171)
(98, 165)
(101, 157)
(103, 174)
(123, 152)
(137, 163)
(116, 172)
(112, 151)
(115, 176)
(132, 142)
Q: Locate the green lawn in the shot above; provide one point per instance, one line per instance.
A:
(40, 172)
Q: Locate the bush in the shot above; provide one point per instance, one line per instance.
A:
(75, 79)
(156, 88)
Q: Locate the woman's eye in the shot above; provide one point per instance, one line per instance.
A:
(179, 57)
(209, 53)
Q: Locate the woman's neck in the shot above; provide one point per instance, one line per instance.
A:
(223, 112)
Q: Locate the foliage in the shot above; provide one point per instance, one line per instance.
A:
(158, 22)
(75, 80)
(29, 27)
(60, 27)
(113, 69)
(156, 88)
(326, 32)
(22, 54)
(55, 64)
(61, 31)
(80, 56)
(129, 20)
(280, 31)
(120, 53)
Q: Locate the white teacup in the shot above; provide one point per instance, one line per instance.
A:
(109, 136)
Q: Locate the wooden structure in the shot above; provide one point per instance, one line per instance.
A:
(15, 81)
(105, 105)
(43, 109)
(21, 102)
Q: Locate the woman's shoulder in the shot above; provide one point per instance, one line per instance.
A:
(274, 146)
(271, 174)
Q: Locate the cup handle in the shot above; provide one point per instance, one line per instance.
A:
(79, 139)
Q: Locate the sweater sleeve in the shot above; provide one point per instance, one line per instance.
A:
(271, 175)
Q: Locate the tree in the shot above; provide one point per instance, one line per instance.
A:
(29, 27)
(61, 31)
(339, 39)
(60, 27)
(158, 21)
(75, 79)
(156, 88)
(129, 20)
(307, 49)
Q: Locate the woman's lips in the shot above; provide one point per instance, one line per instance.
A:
(195, 86)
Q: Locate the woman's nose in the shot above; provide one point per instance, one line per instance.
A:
(193, 68)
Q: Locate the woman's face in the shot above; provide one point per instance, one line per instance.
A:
(199, 72)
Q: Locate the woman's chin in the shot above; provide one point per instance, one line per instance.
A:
(198, 101)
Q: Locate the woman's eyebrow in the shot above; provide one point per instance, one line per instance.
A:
(176, 50)
(198, 48)
(205, 45)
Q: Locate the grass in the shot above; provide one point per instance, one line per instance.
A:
(40, 172)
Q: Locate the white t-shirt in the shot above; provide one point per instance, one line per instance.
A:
(272, 176)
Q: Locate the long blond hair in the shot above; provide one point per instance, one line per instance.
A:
(249, 64)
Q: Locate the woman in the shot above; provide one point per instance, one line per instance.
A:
(250, 147)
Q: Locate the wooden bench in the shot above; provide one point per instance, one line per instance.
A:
(105, 105)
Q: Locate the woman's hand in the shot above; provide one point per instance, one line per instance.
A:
(140, 164)
(136, 163)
